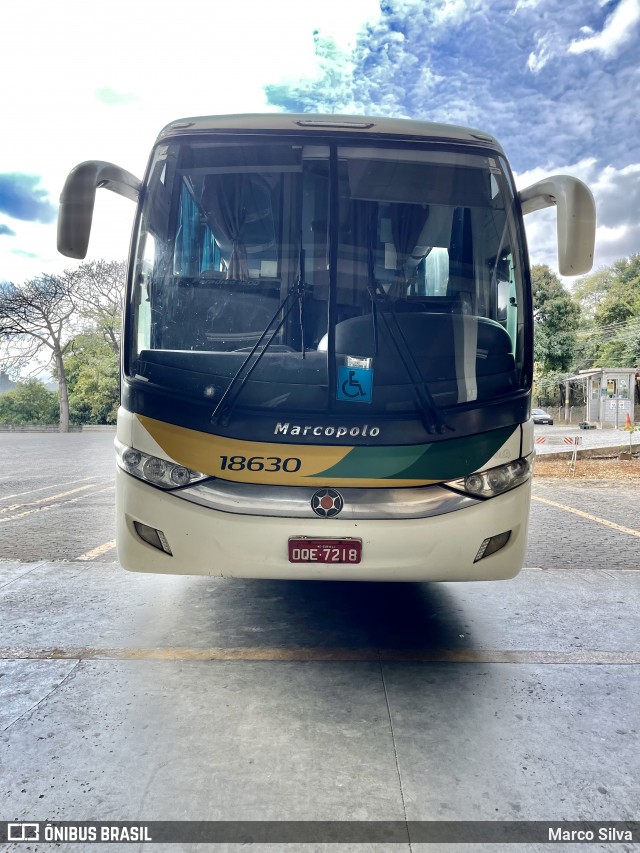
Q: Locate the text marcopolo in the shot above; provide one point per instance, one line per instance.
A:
(327, 431)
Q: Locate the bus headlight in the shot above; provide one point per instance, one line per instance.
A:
(494, 481)
(151, 469)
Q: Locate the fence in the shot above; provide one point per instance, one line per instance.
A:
(576, 414)
(569, 442)
(54, 428)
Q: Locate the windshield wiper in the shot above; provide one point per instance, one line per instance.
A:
(226, 404)
(432, 420)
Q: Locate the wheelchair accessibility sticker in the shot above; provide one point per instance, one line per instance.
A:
(355, 384)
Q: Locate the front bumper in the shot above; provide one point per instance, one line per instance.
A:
(206, 541)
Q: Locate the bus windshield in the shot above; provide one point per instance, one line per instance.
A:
(284, 275)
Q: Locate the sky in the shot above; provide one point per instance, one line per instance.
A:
(556, 83)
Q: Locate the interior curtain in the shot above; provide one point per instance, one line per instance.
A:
(225, 200)
(407, 223)
(184, 247)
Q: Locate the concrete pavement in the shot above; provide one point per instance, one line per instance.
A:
(148, 697)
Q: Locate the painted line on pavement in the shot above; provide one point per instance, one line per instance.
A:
(53, 486)
(97, 552)
(56, 505)
(338, 655)
(588, 516)
(14, 507)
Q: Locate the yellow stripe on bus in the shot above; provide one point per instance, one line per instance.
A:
(284, 464)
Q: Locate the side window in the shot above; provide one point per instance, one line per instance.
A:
(436, 272)
(503, 302)
(506, 296)
(404, 254)
(142, 294)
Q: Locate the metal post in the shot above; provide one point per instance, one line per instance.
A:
(567, 415)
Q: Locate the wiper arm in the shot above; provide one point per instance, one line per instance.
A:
(224, 409)
(372, 284)
(300, 291)
(432, 420)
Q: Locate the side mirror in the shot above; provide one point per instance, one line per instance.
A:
(78, 197)
(576, 219)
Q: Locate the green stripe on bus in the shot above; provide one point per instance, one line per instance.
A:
(439, 460)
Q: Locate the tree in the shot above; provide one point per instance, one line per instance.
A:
(556, 319)
(29, 403)
(589, 291)
(609, 335)
(35, 318)
(93, 375)
(622, 299)
(98, 288)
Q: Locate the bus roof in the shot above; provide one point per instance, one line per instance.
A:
(366, 125)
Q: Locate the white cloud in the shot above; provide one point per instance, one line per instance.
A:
(77, 88)
(555, 28)
(450, 10)
(33, 249)
(94, 81)
(215, 61)
(546, 49)
(617, 32)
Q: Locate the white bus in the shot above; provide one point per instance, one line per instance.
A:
(327, 348)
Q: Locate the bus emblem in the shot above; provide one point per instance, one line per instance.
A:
(327, 503)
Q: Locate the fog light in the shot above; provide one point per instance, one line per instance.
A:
(493, 544)
(153, 537)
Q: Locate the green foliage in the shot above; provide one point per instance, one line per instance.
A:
(29, 403)
(549, 389)
(621, 302)
(609, 335)
(556, 319)
(589, 291)
(93, 376)
(546, 387)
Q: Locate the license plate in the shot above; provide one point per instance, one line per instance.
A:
(303, 550)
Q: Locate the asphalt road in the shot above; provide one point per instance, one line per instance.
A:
(56, 495)
(144, 697)
(550, 438)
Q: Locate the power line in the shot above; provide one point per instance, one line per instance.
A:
(628, 326)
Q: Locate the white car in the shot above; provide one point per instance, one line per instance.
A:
(541, 417)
